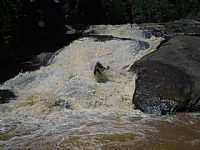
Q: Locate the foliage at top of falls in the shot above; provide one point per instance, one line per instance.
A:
(103, 11)
(122, 11)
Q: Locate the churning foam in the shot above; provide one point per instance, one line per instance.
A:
(70, 74)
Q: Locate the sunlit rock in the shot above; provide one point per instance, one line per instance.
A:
(169, 78)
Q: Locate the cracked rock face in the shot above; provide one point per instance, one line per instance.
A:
(169, 78)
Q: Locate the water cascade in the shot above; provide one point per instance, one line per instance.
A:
(100, 115)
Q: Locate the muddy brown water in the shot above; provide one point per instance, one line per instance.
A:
(107, 131)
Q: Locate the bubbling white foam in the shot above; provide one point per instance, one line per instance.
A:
(101, 114)
(70, 74)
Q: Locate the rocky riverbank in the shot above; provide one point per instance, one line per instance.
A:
(169, 78)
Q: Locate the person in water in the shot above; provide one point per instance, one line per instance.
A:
(99, 72)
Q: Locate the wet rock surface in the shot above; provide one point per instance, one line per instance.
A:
(6, 96)
(41, 59)
(173, 28)
(169, 78)
(64, 104)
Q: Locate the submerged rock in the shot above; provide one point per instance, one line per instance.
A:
(6, 96)
(169, 78)
(63, 104)
(40, 60)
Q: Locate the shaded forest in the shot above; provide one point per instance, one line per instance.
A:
(47, 17)
(134, 11)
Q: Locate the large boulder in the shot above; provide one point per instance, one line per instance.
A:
(171, 29)
(169, 78)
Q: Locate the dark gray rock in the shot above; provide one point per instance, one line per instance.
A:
(6, 96)
(169, 78)
(42, 59)
(187, 22)
(185, 26)
(171, 29)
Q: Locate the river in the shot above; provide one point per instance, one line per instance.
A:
(101, 115)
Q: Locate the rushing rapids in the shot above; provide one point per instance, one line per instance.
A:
(100, 115)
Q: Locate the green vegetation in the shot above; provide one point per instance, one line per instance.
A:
(133, 11)
(161, 10)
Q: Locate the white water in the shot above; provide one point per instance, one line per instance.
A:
(98, 110)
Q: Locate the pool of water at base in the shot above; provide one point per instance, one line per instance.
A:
(102, 129)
